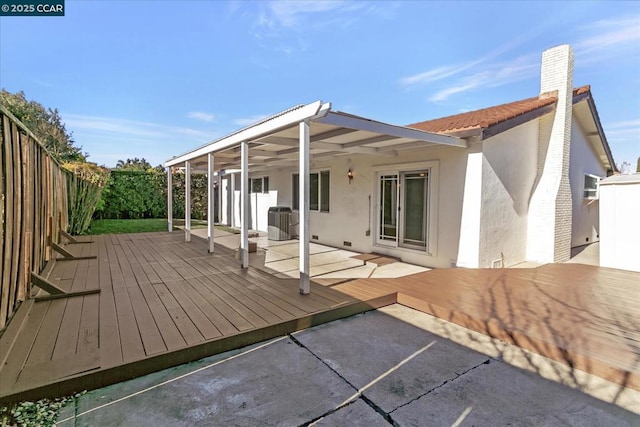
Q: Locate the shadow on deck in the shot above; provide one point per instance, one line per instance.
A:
(164, 302)
(585, 317)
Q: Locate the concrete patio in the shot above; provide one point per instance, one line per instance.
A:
(328, 265)
(376, 369)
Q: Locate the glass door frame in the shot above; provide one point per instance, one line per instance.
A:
(402, 212)
(431, 169)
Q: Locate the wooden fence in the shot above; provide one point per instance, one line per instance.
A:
(33, 209)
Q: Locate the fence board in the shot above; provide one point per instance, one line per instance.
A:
(33, 208)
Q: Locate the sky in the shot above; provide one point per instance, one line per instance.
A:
(154, 79)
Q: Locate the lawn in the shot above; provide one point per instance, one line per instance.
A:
(119, 226)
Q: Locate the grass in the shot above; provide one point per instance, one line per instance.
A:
(119, 226)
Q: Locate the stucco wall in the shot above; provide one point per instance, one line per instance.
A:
(353, 206)
(470, 221)
(585, 228)
(509, 171)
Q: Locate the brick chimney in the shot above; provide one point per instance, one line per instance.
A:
(549, 217)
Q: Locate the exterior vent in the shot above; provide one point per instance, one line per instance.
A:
(314, 237)
(345, 243)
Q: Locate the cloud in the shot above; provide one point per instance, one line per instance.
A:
(606, 34)
(626, 131)
(442, 72)
(594, 43)
(493, 75)
(633, 124)
(129, 128)
(292, 14)
(108, 139)
(432, 75)
(199, 115)
(283, 19)
(247, 121)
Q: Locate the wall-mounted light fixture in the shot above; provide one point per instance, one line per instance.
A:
(350, 175)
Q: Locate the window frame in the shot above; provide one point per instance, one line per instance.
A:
(591, 192)
(264, 185)
(323, 202)
(432, 167)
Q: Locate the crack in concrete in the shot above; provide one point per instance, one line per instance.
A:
(486, 362)
(357, 395)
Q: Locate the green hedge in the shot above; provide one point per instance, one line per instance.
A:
(85, 183)
(143, 194)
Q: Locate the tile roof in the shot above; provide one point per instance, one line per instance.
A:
(487, 117)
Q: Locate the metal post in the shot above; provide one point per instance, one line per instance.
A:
(210, 200)
(187, 201)
(244, 205)
(169, 199)
(304, 208)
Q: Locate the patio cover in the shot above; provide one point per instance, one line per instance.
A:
(289, 138)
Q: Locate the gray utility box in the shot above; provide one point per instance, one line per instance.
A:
(279, 223)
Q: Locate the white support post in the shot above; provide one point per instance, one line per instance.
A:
(232, 200)
(219, 211)
(210, 200)
(169, 199)
(304, 208)
(244, 205)
(187, 201)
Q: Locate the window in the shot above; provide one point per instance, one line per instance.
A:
(591, 186)
(296, 191)
(259, 185)
(319, 191)
(324, 191)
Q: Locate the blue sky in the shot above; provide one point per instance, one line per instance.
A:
(153, 79)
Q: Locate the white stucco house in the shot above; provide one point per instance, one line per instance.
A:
(486, 188)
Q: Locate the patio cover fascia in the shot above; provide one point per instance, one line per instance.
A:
(385, 136)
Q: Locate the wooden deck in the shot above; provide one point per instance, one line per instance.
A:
(162, 302)
(584, 316)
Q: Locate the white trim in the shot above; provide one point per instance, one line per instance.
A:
(596, 196)
(169, 199)
(187, 201)
(361, 123)
(303, 214)
(210, 200)
(244, 205)
(279, 122)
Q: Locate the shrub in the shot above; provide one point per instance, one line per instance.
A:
(143, 194)
(84, 187)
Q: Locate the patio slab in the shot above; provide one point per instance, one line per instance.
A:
(282, 258)
(355, 414)
(498, 394)
(397, 269)
(365, 370)
(392, 365)
(278, 381)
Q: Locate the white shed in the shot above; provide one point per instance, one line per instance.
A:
(620, 222)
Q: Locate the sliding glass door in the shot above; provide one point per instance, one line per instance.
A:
(414, 205)
(388, 208)
(404, 215)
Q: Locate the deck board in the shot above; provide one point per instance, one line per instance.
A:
(163, 302)
(583, 316)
